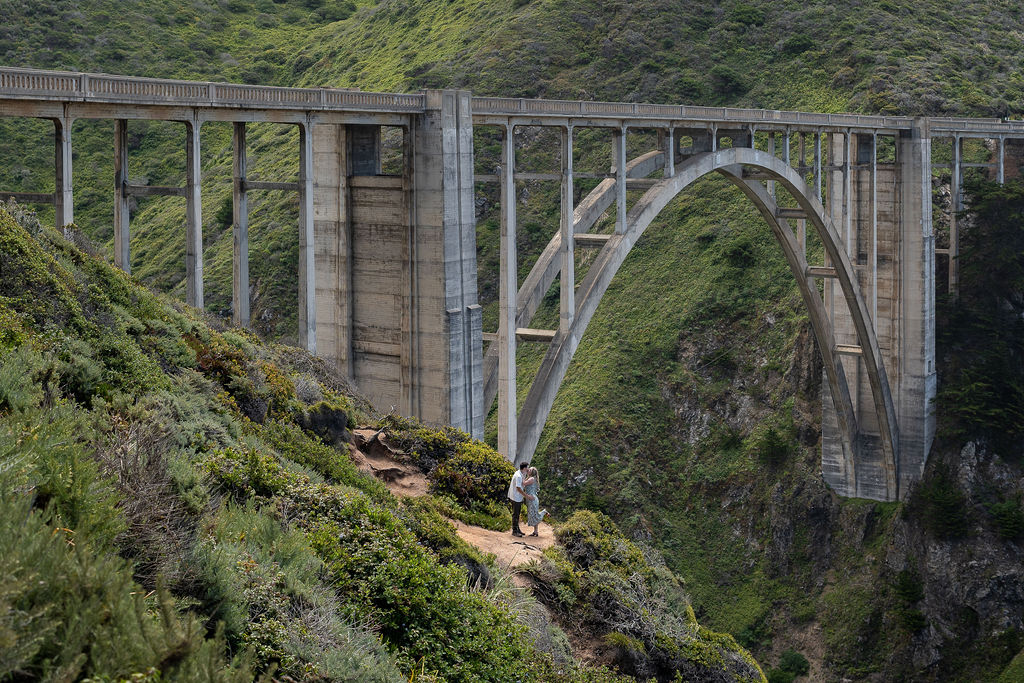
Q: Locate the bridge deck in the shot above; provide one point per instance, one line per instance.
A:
(226, 101)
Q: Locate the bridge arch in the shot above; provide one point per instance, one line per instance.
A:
(734, 164)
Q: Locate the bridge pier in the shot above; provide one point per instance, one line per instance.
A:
(883, 212)
(194, 217)
(64, 203)
(240, 228)
(122, 242)
(395, 263)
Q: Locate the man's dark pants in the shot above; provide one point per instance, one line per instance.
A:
(517, 509)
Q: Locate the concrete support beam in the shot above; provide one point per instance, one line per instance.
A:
(332, 223)
(64, 203)
(619, 161)
(194, 217)
(956, 190)
(567, 278)
(307, 263)
(508, 287)
(670, 152)
(240, 229)
(918, 380)
(121, 213)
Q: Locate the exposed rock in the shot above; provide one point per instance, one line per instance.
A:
(328, 422)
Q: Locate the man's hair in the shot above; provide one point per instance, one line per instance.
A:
(523, 464)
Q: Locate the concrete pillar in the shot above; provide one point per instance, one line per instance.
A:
(240, 214)
(892, 247)
(670, 152)
(917, 381)
(508, 286)
(332, 225)
(619, 161)
(64, 204)
(567, 277)
(307, 263)
(121, 217)
(448, 357)
(817, 164)
(194, 217)
(395, 264)
(956, 190)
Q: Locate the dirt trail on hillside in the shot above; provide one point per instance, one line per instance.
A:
(373, 454)
(509, 550)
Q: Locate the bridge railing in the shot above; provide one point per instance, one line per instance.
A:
(511, 106)
(67, 86)
(32, 83)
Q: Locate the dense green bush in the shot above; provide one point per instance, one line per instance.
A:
(474, 474)
(599, 578)
(941, 503)
(1008, 518)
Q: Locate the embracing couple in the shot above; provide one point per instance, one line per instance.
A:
(525, 486)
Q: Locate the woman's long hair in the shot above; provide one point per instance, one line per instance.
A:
(536, 477)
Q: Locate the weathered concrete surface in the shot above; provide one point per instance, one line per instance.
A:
(888, 232)
(396, 264)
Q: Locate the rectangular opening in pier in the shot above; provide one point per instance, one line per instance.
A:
(27, 144)
(272, 156)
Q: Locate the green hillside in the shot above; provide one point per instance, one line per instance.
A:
(690, 415)
(180, 503)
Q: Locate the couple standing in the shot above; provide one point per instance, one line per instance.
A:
(525, 485)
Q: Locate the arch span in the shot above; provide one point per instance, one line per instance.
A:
(731, 163)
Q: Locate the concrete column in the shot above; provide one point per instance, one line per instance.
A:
(887, 212)
(307, 263)
(956, 191)
(670, 152)
(64, 204)
(507, 289)
(449, 325)
(1001, 161)
(874, 231)
(240, 213)
(817, 164)
(332, 223)
(619, 159)
(121, 217)
(916, 386)
(568, 273)
(194, 217)
(771, 144)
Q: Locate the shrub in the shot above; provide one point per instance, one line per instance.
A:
(747, 15)
(1008, 517)
(423, 609)
(941, 503)
(798, 44)
(794, 662)
(475, 474)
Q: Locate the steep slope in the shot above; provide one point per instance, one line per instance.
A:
(182, 504)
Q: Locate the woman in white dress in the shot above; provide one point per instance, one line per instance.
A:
(531, 487)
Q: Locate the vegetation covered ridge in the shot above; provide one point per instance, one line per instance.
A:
(180, 503)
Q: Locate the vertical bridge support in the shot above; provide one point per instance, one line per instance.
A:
(884, 211)
(396, 295)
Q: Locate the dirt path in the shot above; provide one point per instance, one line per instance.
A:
(509, 550)
(373, 454)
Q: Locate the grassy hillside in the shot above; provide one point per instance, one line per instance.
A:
(179, 503)
(690, 414)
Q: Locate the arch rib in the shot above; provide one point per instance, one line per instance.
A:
(729, 162)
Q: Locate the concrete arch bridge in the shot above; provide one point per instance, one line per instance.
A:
(387, 275)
